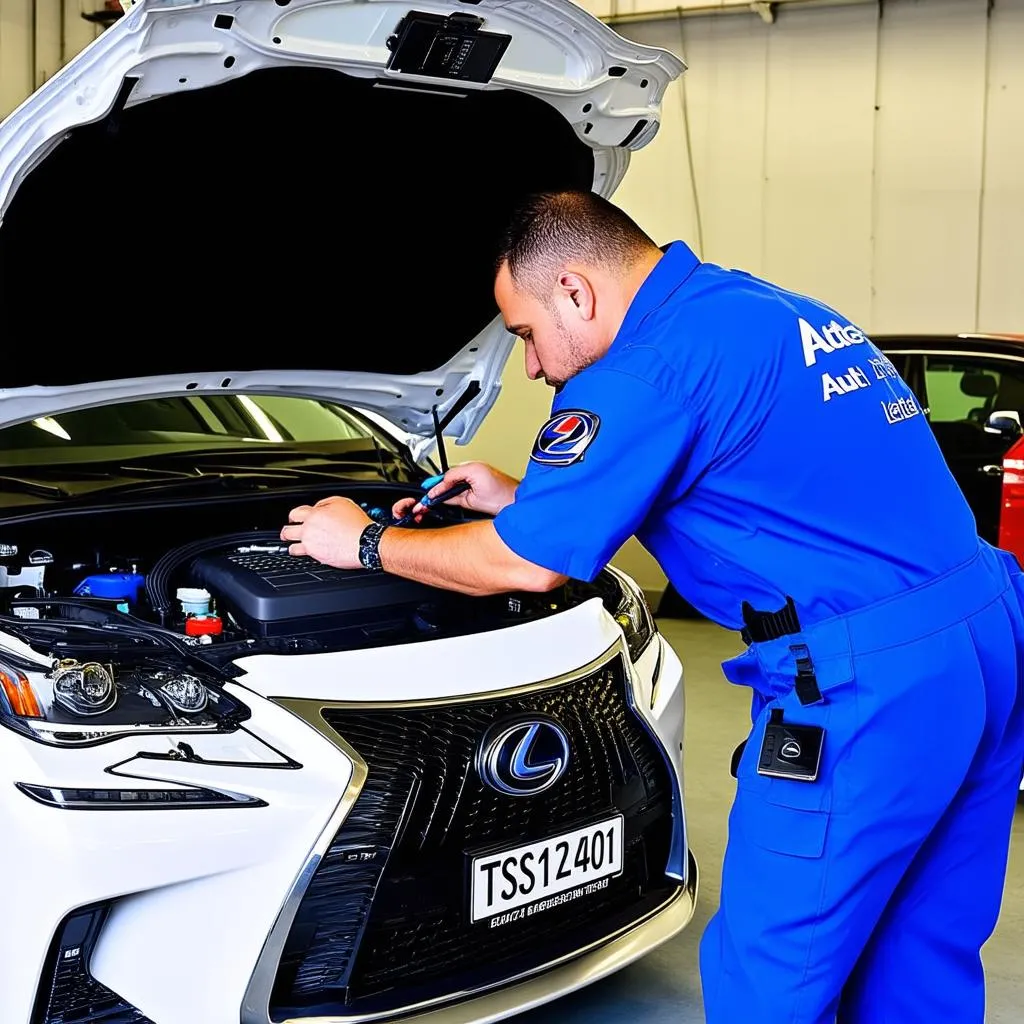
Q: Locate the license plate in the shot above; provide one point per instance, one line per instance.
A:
(548, 873)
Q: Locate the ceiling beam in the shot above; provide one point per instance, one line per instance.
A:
(767, 10)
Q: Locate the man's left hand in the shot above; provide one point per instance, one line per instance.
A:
(327, 531)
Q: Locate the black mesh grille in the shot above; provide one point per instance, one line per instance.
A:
(78, 999)
(69, 993)
(385, 921)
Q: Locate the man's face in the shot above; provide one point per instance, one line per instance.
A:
(557, 340)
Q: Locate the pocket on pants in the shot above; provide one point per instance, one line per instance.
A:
(774, 826)
(784, 816)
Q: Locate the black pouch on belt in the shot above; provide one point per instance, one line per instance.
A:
(790, 751)
(787, 751)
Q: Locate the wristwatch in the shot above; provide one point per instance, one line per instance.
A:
(369, 543)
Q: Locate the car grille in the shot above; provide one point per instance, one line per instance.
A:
(83, 1000)
(69, 994)
(385, 922)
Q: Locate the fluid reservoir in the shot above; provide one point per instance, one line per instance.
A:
(116, 586)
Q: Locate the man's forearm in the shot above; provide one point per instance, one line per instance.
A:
(470, 558)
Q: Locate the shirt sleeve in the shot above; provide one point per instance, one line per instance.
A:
(596, 468)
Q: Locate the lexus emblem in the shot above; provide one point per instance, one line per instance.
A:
(525, 757)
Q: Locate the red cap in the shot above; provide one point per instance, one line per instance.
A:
(208, 624)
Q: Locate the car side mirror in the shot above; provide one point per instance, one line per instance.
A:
(1005, 423)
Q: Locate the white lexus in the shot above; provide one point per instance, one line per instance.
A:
(245, 262)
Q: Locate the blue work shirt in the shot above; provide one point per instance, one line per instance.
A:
(757, 444)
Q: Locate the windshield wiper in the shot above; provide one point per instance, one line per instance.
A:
(309, 463)
(170, 471)
(207, 481)
(20, 485)
(259, 452)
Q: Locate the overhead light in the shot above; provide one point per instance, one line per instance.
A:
(261, 418)
(51, 426)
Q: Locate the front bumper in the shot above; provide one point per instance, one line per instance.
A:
(560, 980)
(198, 914)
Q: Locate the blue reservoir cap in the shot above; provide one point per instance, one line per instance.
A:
(118, 586)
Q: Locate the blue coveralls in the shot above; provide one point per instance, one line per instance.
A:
(761, 447)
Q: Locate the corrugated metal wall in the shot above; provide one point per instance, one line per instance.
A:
(871, 155)
(36, 38)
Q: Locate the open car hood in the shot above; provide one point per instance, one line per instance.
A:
(299, 197)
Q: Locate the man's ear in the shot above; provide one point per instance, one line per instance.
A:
(576, 294)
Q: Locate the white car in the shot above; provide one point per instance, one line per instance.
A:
(245, 263)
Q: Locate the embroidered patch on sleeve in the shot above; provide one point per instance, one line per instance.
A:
(565, 437)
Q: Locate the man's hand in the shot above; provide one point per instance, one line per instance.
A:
(327, 531)
(490, 490)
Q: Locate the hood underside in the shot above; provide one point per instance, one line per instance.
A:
(296, 217)
(295, 227)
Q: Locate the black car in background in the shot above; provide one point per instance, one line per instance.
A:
(971, 390)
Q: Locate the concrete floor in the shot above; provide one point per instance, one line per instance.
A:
(664, 987)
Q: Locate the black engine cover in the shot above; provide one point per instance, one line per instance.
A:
(273, 593)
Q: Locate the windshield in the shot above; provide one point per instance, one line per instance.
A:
(181, 424)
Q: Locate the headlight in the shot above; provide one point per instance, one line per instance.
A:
(84, 689)
(633, 615)
(80, 703)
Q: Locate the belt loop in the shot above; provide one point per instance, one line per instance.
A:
(807, 690)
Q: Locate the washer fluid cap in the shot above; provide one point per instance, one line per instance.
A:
(194, 600)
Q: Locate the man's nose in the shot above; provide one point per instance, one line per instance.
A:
(533, 367)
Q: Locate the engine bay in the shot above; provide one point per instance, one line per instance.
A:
(213, 580)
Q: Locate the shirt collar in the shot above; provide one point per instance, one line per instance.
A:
(668, 275)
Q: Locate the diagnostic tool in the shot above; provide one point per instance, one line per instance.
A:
(429, 503)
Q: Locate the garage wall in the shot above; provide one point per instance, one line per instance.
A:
(873, 160)
(36, 38)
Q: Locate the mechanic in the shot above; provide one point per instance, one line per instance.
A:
(787, 481)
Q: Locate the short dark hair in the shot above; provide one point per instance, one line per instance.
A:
(548, 229)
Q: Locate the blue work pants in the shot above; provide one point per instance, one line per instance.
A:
(865, 897)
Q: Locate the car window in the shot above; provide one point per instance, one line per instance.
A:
(900, 361)
(962, 389)
(182, 423)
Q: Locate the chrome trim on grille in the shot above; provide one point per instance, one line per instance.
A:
(256, 1003)
(678, 853)
(656, 673)
(626, 945)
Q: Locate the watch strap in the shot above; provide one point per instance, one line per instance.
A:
(369, 546)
